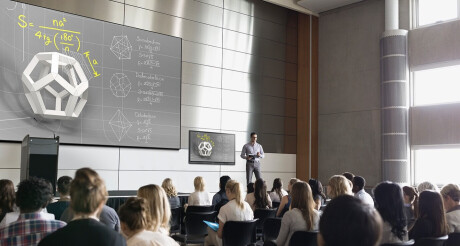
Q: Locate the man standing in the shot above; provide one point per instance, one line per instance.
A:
(252, 152)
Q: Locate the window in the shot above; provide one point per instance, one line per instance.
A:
(434, 11)
(440, 166)
(436, 86)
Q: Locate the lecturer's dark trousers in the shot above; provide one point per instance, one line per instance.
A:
(252, 166)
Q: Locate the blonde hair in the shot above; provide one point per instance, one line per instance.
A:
(169, 188)
(199, 183)
(338, 185)
(292, 181)
(158, 206)
(87, 191)
(302, 199)
(235, 188)
(451, 190)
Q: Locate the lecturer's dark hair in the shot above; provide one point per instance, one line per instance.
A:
(347, 221)
(253, 133)
(390, 204)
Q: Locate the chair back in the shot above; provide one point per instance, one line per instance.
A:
(275, 204)
(194, 224)
(453, 240)
(407, 243)
(304, 238)
(239, 233)
(271, 228)
(174, 222)
(431, 241)
(263, 214)
(194, 209)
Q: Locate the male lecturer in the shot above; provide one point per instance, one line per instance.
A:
(252, 152)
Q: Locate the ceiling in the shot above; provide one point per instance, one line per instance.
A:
(312, 6)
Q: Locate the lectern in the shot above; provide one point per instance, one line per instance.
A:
(39, 158)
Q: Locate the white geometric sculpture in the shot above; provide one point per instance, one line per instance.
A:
(51, 80)
(205, 149)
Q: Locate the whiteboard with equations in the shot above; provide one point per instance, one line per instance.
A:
(134, 79)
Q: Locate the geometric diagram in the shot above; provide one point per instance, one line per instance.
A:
(205, 149)
(56, 67)
(120, 125)
(121, 47)
(120, 85)
(81, 60)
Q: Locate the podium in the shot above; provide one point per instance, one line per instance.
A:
(39, 158)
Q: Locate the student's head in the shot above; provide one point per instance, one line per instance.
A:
(33, 194)
(348, 175)
(133, 215)
(302, 199)
(411, 197)
(223, 181)
(277, 184)
(427, 186)
(358, 183)
(347, 221)
(169, 188)
(199, 184)
(451, 196)
(250, 188)
(87, 192)
(431, 208)
(158, 206)
(233, 191)
(7, 196)
(390, 204)
(338, 185)
(63, 185)
(260, 194)
(292, 181)
(316, 188)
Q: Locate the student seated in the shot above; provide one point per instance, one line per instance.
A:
(158, 207)
(63, 188)
(32, 196)
(220, 198)
(259, 198)
(431, 221)
(451, 197)
(339, 185)
(7, 197)
(107, 216)
(410, 205)
(170, 189)
(347, 221)
(390, 205)
(134, 216)
(427, 185)
(200, 197)
(235, 210)
(358, 189)
(318, 194)
(87, 198)
(277, 191)
(286, 200)
(301, 217)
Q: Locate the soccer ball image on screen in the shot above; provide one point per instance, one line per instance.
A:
(205, 149)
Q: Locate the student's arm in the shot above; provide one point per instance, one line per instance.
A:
(283, 203)
(284, 231)
(221, 229)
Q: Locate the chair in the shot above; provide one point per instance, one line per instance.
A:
(262, 215)
(195, 228)
(431, 241)
(175, 222)
(239, 233)
(271, 229)
(275, 204)
(194, 209)
(453, 240)
(303, 238)
(408, 243)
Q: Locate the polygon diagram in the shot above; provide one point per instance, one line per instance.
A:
(120, 85)
(121, 47)
(120, 125)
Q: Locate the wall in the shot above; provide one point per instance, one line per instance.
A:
(235, 79)
(349, 91)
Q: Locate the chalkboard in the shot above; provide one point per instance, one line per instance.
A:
(134, 78)
(211, 148)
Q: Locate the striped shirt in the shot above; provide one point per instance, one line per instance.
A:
(29, 229)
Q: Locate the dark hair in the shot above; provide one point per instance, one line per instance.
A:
(33, 194)
(412, 193)
(134, 213)
(431, 207)
(260, 194)
(87, 191)
(316, 188)
(250, 188)
(277, 185)
(223, 181)
(63, 185)
(348, 175)
(390, 204)
(253, 133)
(347, 221)
(7, 197)
(359, 182)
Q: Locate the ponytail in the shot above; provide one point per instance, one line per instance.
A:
(235, 188)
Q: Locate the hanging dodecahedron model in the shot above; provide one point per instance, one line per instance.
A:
(61, 90)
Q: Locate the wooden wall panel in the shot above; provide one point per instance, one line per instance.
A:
(314, 96)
